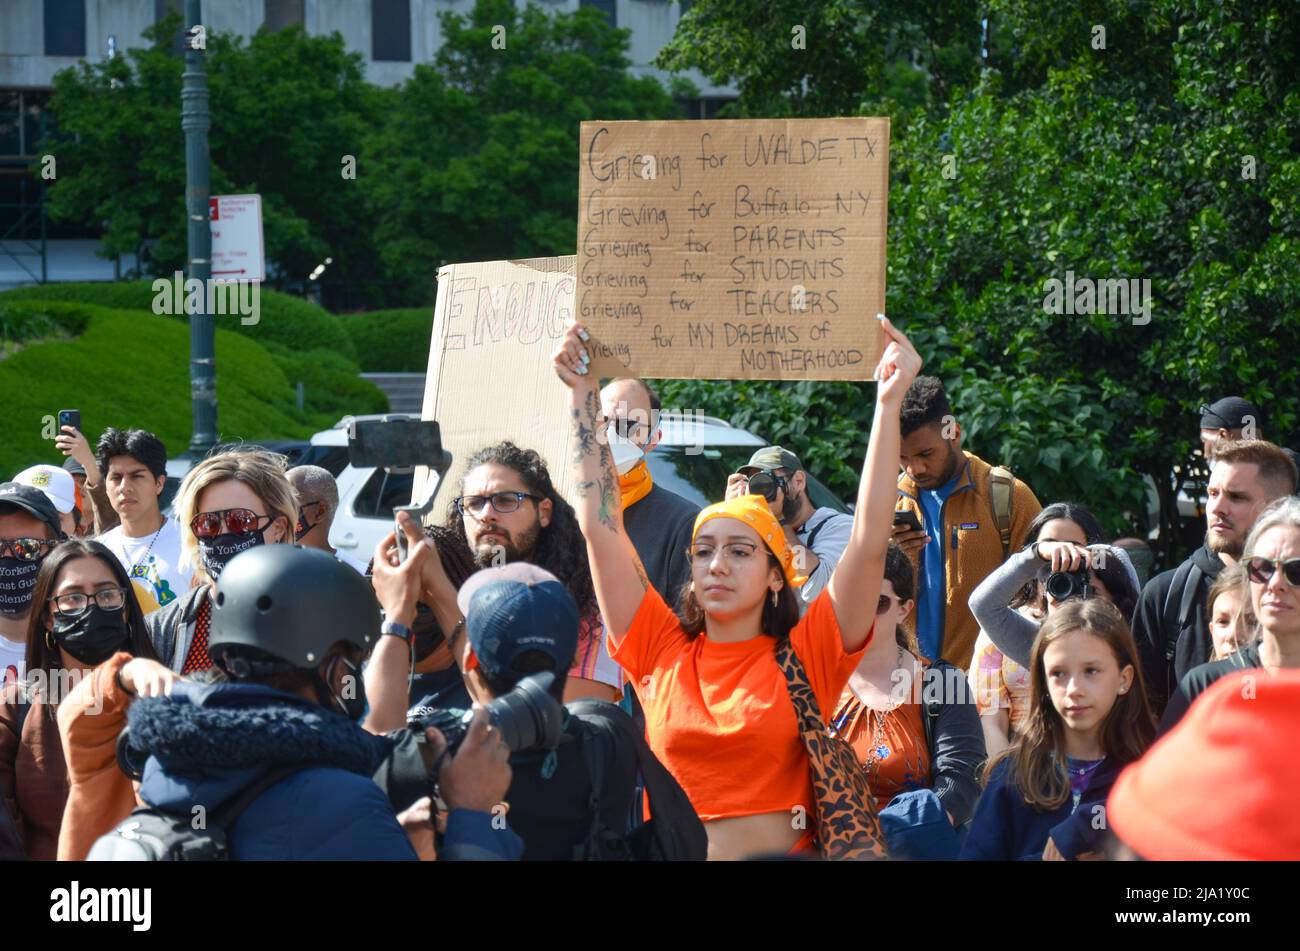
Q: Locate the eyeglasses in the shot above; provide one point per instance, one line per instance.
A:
(766, 484)
(237, 521)
(75, 603)
(884, 603)
(1261, 570)
(503, 503)
(732, 551)
(26, 549)
(314, 506)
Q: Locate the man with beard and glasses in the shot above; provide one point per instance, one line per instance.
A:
(29, 529)
(1170, 626)
(508, 510)
(817, 535)
(317, 495)
(972, 515)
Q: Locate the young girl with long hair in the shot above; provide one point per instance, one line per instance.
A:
(1089, 717)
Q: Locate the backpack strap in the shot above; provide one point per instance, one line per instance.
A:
(1001, 485)
(225, 814)
(589, 849)
(812, 536)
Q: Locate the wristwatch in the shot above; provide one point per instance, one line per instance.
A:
(395, 629)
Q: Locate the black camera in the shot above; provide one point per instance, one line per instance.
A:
(1064, 585)
(766, 484)
(528, 717)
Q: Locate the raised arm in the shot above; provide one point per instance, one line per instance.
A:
(617, 574)
(1010, 631)
(855, 585)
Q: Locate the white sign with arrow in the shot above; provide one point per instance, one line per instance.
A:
(236, 223)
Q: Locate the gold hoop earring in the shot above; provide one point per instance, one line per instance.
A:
(49, 641)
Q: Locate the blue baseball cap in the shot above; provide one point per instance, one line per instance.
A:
(515, 609)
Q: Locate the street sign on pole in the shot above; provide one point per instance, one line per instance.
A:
(236, 222)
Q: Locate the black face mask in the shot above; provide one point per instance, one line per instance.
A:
(17, 579)
(216, 553)
(93, 636)
(351, 702)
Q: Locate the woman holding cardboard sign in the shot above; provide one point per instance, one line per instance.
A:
(736, 687)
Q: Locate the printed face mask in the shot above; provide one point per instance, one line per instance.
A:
(216, 553)
(93, 636)
(17, 579)
(626, 453)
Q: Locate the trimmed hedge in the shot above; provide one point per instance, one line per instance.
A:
(130, 368)
(391, 341)
(284, 319)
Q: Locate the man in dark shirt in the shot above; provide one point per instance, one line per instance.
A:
(1170, 625)
(520, 620)
(659, 523)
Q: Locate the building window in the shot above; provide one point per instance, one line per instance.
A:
(390, 30)
(608, 7)
(283, 13)
(65, 27)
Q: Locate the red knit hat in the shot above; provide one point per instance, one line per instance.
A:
(1222, 784)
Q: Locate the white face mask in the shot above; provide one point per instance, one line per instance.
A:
(626, 453)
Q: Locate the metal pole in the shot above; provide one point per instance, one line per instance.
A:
(195, 121)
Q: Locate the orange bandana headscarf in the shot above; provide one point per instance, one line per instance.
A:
(635, 485)
(753, 511)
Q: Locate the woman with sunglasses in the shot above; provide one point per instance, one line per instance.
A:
(717, 705)
(84, 613)
(227, 504)
(914, 727)
(1271, 555)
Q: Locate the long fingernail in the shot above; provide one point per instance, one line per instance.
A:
(586, 357)
(584, 335)
(582, 370)
(880, 316)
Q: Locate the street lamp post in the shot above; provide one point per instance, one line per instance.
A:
(195, 121)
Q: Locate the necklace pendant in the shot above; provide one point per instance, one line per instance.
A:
(881, 751)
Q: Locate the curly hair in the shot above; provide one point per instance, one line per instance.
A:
(924, 404)
(561, 548)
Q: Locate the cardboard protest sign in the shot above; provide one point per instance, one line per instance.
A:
(495, 325)
(733, 249)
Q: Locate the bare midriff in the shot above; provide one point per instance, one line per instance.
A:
(742, 837)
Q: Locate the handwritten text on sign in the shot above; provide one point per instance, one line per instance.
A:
(749, 249)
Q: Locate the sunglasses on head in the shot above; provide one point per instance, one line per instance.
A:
(766, 484)
(1261, 570)
(26, 549)
(237, 521)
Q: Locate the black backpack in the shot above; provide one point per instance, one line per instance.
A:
(150, 834)
(673, 834)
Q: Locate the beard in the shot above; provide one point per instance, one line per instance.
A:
(489, 554)
(1230, 545)
(790, 509)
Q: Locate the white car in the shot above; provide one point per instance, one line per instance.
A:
(693, 459)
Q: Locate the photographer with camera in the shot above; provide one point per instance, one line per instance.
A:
(818, 536)
(269, 748)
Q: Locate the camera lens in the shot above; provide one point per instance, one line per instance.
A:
(528, 717)
(1063, 585)
(762, 483)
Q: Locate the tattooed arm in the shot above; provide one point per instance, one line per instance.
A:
(616, 572)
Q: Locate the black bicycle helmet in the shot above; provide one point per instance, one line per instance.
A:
(278, 607)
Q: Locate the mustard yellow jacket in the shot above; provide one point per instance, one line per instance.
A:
(971, 546)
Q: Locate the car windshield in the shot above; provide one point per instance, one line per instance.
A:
(701, 477)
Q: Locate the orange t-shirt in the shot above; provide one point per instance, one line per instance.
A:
(718, 715)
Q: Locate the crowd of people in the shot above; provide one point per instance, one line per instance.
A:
(952, 671)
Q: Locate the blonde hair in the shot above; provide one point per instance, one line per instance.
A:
(260, 470)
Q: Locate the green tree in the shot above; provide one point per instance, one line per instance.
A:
(286, 109)
(477, 160)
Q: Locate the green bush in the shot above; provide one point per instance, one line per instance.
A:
(331, 385)
(21, 321)
(284, 319)
(130, 368)
(391, 341)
